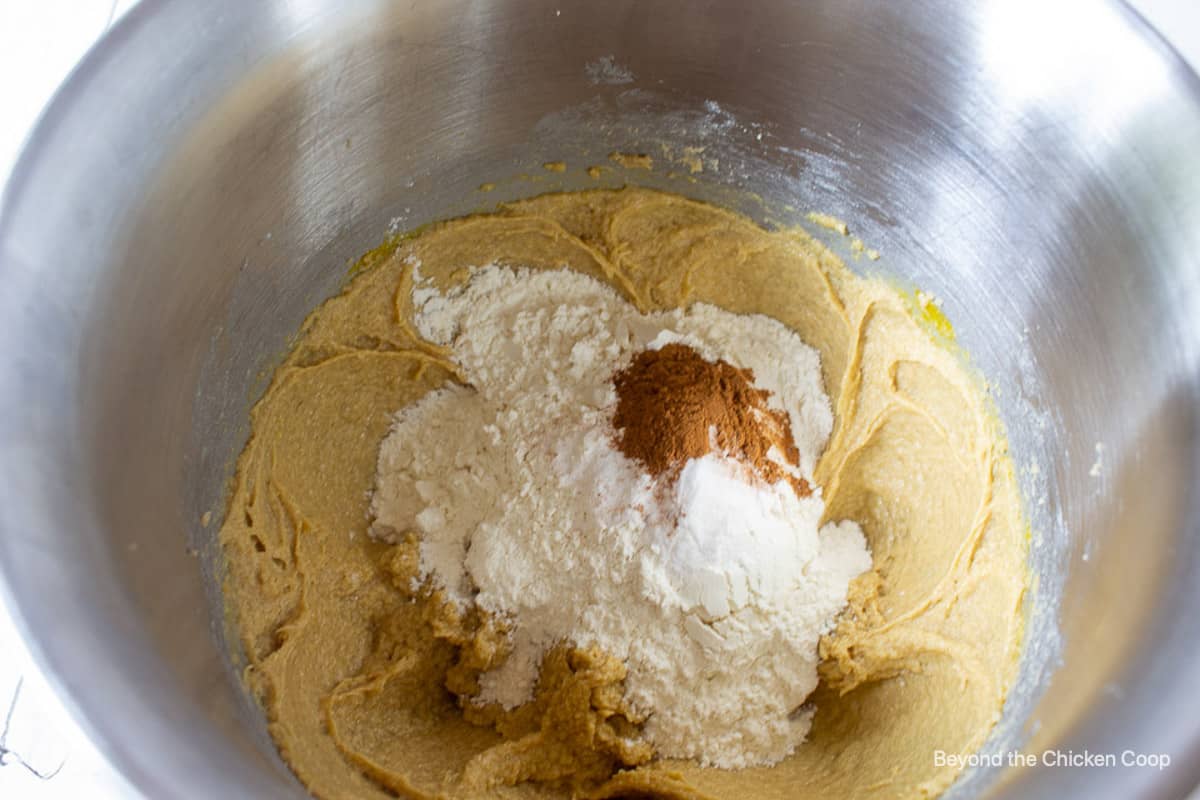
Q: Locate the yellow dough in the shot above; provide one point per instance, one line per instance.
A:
(360, 675)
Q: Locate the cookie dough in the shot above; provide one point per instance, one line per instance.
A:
(359, 673)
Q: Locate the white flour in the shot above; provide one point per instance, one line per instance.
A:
(525, 507)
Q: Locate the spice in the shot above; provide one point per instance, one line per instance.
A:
(673, 405)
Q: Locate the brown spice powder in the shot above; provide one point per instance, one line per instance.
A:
(674, 405)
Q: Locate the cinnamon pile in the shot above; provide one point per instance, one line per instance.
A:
(674, 405)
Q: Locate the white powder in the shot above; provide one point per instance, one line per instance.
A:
(715, 595)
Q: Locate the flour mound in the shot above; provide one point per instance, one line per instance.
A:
(714, 592)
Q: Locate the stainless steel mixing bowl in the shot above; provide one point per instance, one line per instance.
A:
(200, 182)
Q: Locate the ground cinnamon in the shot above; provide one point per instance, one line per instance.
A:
(674, 405)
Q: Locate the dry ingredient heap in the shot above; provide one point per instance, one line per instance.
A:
(674, 405)
(634, 483)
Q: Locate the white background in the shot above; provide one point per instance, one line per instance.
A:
(40, 40)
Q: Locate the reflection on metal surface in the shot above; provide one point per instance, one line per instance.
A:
(1055, 53)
